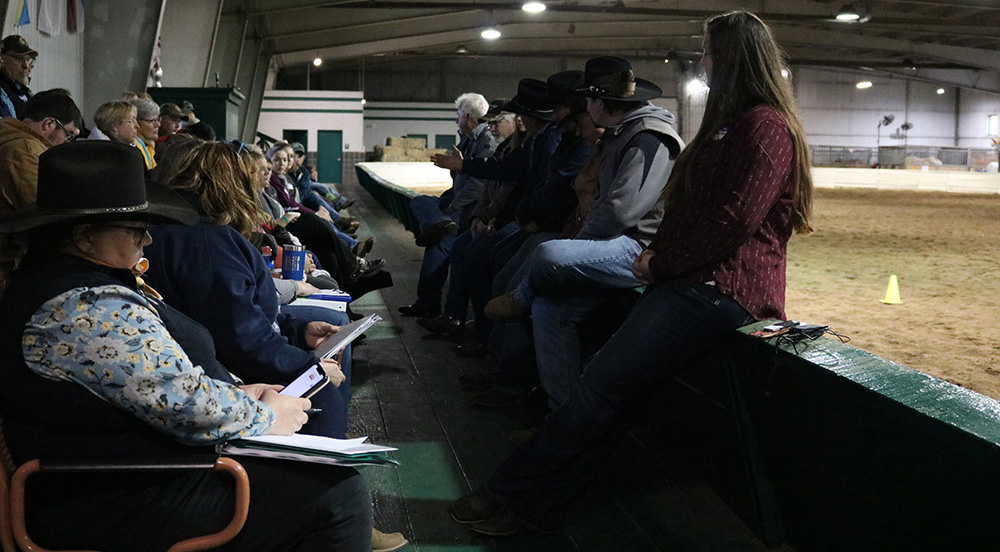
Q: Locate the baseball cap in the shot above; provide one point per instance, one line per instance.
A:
(16, 44)
(171, 110)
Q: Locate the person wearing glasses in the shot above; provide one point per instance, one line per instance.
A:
(50, 118)
(115, 121)
(103, 368)
(148, 117)
(18, 59)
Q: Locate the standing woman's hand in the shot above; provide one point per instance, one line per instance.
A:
(640, 267)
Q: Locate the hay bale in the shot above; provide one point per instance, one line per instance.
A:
(395, 141)
(416, 143)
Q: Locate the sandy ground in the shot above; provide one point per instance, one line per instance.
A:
(944, 249)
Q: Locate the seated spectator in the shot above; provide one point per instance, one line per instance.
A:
(440, 219)
(313, 193)
(195, 126)
(717, 262)
(148, 117)
(116, 121)
(284, 190)
(212, 273)
(571, 278)
(17, 59)
(50, 118)
(80, 389)
(317, 234)
(171, 118)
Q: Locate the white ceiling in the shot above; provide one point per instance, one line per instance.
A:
(955, 42)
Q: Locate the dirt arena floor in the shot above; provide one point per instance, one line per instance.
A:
(945, 250)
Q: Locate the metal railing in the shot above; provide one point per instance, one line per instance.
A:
(899, 157)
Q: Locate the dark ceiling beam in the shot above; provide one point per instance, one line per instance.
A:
(354, 47)
(817, 38)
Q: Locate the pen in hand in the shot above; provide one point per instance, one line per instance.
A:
(313, 410)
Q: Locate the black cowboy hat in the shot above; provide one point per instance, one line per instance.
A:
(495, 112)
(532, 99)
(97, 179)
(563, 84)
(612, 78)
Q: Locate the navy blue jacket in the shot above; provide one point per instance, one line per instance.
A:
(214, 275)
(527, 164)
(551, 203)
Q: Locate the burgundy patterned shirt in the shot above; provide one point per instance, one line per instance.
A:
(736, 229)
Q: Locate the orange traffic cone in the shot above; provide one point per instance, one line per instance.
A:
(892, 292)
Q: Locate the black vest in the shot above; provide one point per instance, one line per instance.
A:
(55, 419)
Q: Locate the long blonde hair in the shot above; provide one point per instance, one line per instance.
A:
(747, 64)
(215, 173)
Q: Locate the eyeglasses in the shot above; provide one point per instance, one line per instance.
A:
(151, 120)
(140, 231)
(24, 60)
(70, 136)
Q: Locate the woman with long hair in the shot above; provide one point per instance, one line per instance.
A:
(717, 262)
(211, 272)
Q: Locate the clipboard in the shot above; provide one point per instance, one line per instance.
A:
(348, 333)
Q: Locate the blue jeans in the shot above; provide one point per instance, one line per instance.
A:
(310, 313)
(457, 302)
(427, 212)
(314, 201)
(482, 266)
(511, 342)
(670, 327)
(566, 267)
(434, 268)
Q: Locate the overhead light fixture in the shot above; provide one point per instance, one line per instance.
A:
(695, 87)
(784, 73)
(317, 62)
(940, 91)
(533, 7)
(490, 34)
(462, 50)
(864, 84)
(848, 14)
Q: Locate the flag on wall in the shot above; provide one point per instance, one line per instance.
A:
(74, 16)
(51, 16)
(22, 13)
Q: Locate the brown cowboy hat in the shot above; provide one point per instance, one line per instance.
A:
(97, 179)
(612, 78)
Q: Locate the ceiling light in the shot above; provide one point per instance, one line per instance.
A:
(864, 84)
(940, 91)
(490, 34)
(848, 14)
(317, 62)
(462, 50)
(784, 73)
(694, 87)
(533, 7)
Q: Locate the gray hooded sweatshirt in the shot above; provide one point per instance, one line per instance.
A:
(638, 156)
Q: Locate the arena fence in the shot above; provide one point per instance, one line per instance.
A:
(901, 157)
(829, 447)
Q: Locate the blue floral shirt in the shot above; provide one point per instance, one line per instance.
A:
(110, 340)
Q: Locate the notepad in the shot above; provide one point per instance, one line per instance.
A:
(348, 333)
(311, 448)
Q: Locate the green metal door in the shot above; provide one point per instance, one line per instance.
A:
(444, 141)
(330, 156)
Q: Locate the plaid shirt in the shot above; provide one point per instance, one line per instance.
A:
(734, 232)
